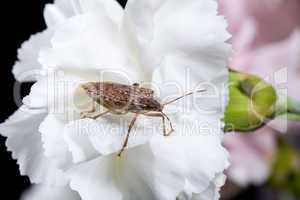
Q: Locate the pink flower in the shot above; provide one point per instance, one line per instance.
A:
(266, 39)
(272, 20)
(266, 42)
(251, 156)
(278, 62)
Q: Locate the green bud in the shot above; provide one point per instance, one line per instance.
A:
(251, 102)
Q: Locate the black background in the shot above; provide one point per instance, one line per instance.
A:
(20, 19)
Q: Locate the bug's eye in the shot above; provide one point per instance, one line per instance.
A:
(136, 85)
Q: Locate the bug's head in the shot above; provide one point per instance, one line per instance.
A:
(150, 104)
(161, 108)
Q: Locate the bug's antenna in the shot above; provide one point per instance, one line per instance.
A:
(187, 94)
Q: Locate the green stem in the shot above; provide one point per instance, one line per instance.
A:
(293, 106)
(290, 108)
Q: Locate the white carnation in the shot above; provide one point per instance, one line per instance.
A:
(157, 42)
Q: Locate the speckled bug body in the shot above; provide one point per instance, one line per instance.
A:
(120, 99)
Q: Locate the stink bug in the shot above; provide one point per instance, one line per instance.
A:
(120, 99)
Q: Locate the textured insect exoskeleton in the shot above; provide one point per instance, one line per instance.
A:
(120, 99)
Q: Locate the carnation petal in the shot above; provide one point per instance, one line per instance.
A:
(75, 7)
(53, 141)
(53, 15)
(178, 29)
(112, 8)
(94, 179)
(37, 97)
(90, 45)
(190, 140)
(160, 169)
(88, 138)
(46, 192)
(24, 141)
(129, 177)
(27, 68)
(78, 142)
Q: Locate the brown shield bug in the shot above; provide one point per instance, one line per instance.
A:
(120, 99)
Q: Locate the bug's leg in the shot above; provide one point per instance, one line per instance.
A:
(170, 122)
(92, 109)
(164, 125)
(97, 115)
(158, 114)
(93, 115)
(128, 134)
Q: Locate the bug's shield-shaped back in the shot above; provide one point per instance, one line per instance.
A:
(120, 98)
